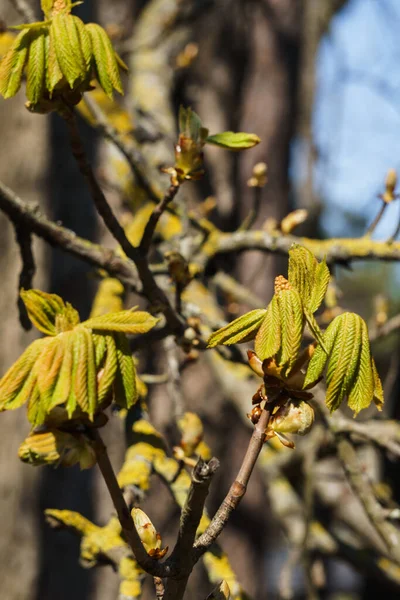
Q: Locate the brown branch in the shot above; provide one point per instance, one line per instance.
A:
(335, 250)
(153, 293)
(155, 216)
(237, 489)
(27, 214)
(149, 564)
(189, 522)
(24, 240)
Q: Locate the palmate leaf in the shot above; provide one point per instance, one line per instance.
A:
(105, 60)
(292, 326)
(343, 359)
(242, 329)
(126, 321)
(351, 371)
(268, 338)
(36, 70)
(12, 65)
(57, 447)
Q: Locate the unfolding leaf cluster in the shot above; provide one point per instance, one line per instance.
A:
(278, 333)
(59, 57)
(78, 368)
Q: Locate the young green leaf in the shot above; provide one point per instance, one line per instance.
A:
(234, 141)
(53, 70)
(36, 70)
(127, 321)
(343, 359)
(319, 358)
(378, 389)
(268, 338)
(125, 393)
(43, 309)
(292, 326)
(67, 49)
(362, 392)
(108, 373)
(319, 286)
(13, 381)
(63, 386)
(12, 65)
(242, 329)
(107, 70)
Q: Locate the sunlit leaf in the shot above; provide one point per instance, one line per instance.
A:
(126, 321)
(268, 339)
(242, 329)
(234, 141)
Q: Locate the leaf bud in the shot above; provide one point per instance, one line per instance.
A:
(293, 417)
(151, 540)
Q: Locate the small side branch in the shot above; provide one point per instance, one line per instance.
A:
(189, 522)
(147, 563)
(237, 489)
(155, 217)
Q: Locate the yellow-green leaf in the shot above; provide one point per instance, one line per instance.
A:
(344, 359)
(107, 374)
(126, 321)
(36, 70)
(67, 49)
(234, 141)
(320, 356)
(292, 325)
(268, 339)
(62, 389)
(13, 381)
(241, 329)
(302, 266)
(53, 71)
(125, 381)
(12, 65)
(319, 286)
(43, 309)
(107, 70)
(362, 392)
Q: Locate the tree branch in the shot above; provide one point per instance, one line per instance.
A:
(27, 214)
(335, 250)
(189, 522)
(155, 217)
(149, 564)
(237, 489)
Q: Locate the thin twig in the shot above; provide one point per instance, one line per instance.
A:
(155, 217)
(189, 522)
(147, 563)
(24, 239)
(29, 215)
(154, 294)
(237, 489)
(378, 217)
